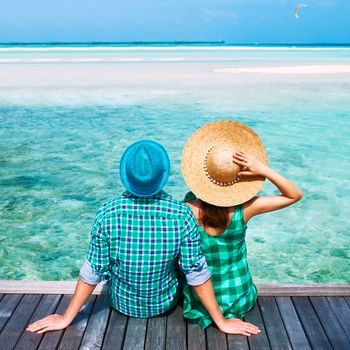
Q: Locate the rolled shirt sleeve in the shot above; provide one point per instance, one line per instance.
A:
(98, 258)
(192, 262)
(87, 275)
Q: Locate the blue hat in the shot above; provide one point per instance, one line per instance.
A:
(144, 168)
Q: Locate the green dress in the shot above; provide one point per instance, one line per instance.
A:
(226, 256)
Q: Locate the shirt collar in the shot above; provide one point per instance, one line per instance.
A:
(160, 194)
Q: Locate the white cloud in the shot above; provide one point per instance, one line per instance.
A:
(212, 14)
(325, 3)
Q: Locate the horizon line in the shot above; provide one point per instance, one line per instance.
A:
(221, 42)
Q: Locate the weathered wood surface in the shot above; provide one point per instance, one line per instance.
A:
(264, 289)
(292, 324)
(176, 330)
(274, 324)
(156, 331)
(261, 341)
(311, 323)
(286, 323)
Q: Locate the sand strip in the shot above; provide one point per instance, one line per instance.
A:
(305, 69)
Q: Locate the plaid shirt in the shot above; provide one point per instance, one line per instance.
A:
(136, 244)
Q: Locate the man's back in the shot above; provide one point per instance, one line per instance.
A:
(135, 243)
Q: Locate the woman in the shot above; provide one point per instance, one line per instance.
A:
(225, 164)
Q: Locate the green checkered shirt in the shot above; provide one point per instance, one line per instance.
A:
(226, 256)
(136, 244)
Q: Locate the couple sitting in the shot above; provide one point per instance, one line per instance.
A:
(141, 241)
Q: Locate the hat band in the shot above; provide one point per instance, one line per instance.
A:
(216, 182)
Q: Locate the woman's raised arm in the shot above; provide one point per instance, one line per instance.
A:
(263, 204)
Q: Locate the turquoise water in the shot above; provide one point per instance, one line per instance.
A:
(65, 121)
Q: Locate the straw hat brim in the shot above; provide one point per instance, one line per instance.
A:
(239, 137)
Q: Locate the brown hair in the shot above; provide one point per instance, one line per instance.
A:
(213, 216)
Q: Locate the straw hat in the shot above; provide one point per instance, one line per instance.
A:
(208, 167)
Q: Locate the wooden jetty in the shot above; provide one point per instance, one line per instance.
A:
(290, 316)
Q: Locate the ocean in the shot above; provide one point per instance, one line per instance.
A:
(68, 111)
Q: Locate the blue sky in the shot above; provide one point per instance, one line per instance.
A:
(234, 21)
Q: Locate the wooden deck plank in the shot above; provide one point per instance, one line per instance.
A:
(260, 341)
(292, 323)
(156, 333)
(115, 333)
(95, 329)
(216, 340)
(274, 324)
(342, 311)
(264, 289)
(45, 287)
(347, 299)
(51, 339)
(8, 305)
(135, 334)
(18, 321)
(271, 289)
(72, 335)
(237, 342)
(195, 337)
(176, 330)
(330, 323)
(47, 306)
(311, 324)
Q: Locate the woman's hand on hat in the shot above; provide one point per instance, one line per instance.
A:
(250, 166)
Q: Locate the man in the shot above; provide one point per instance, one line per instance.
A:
(137, 241)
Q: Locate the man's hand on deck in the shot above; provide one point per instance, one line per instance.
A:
(49, 323)
(53, 322)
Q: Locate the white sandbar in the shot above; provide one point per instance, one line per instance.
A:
(305, 69)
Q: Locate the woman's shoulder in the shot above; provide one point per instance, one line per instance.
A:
(190, 196)
(193, 203)
(237, 218)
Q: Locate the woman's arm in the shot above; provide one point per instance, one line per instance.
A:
(258, 205)
(206, 295)
(54, 322)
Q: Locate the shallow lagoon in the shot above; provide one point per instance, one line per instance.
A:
(65, 125)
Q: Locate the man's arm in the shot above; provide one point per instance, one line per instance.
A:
(55, 322)
(95, 268)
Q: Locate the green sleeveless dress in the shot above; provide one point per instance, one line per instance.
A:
(226, 256)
